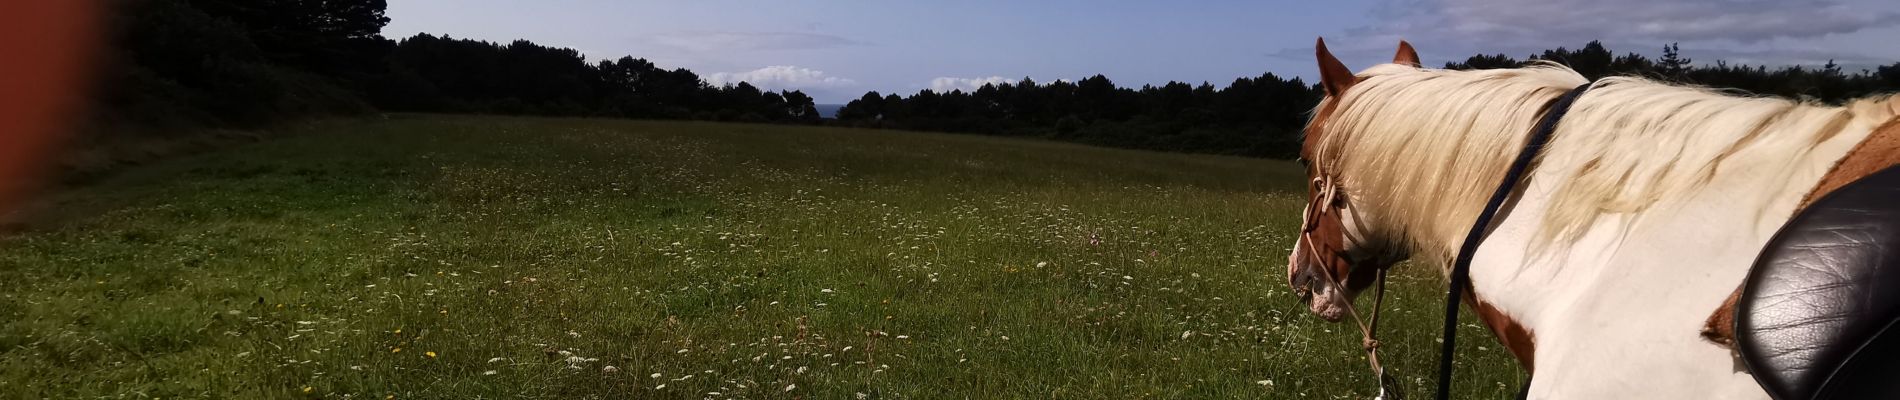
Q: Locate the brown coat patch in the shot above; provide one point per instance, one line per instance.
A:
(1515, 337)
(1881, 149)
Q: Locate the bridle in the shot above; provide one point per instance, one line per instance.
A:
(1327, 200)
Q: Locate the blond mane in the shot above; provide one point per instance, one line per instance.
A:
(1419, 151)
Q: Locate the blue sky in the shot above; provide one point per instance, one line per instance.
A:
(838, 50)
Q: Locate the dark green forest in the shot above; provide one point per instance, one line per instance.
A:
(1262, 116)
(176, 65)
(182, 65)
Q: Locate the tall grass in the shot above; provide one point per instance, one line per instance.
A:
(485, 257)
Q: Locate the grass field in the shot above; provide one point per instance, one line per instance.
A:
(488, 257)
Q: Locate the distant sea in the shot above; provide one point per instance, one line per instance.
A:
(829, 110)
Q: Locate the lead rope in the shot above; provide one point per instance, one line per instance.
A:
(1387, 384)
(1368, 331)
(1461, 266)
(1368, 328)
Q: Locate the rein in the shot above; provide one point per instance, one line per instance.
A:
(1461, 266)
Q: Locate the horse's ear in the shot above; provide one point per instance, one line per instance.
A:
(1406, 55)
(1333, 74)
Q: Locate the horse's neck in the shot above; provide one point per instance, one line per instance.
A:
(1628, 297)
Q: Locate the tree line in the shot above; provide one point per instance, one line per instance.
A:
(1262, 116)
(179, 65)
(183, 65)
(443, 74)
(1255, 116)
(1827, 83)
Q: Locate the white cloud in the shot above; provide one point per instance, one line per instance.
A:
(781, 77)
(947, 84)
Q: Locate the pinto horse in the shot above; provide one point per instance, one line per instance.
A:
(1640, 216)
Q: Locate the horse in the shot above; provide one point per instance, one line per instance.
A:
(1639, 217)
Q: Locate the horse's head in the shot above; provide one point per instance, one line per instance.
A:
(1334, 258)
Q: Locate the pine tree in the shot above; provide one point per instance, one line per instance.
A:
(1672, 62)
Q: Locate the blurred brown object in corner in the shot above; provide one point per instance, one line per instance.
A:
(46, 54)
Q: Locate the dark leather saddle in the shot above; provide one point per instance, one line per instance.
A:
(1817, 315)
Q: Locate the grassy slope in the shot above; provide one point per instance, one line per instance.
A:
(455, 257)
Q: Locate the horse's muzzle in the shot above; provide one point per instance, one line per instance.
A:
(1309, 283)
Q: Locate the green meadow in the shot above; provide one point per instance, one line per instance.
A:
(424, 256)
